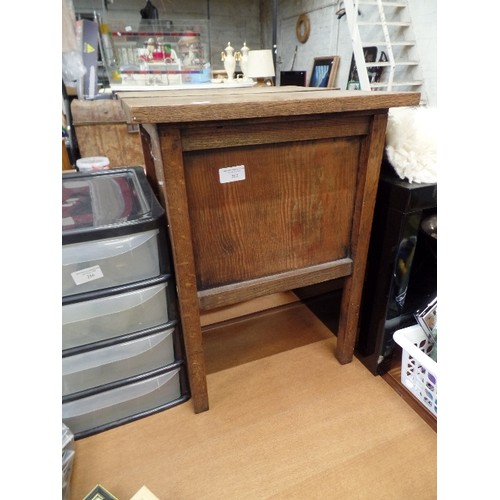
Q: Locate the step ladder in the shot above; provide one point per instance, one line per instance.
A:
(384, 47)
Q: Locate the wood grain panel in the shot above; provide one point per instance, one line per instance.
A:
(246, 290)
(296, 214)
(177, 215)
(196, 136)
(370, 161)
(121, 147)
(170, 107)
(101, 130)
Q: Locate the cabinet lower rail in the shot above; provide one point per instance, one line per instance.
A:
(280, 282)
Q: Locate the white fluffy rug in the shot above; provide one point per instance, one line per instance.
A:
(411, 143)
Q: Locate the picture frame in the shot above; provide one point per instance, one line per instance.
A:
(324, 71)
(370, 55)
(427, 318)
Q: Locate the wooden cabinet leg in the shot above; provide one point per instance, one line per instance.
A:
(170, 187)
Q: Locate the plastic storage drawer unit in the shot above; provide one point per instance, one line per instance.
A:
(116, 362)
(95, 265)
(116, 406)
(113, 230)
(108, 316)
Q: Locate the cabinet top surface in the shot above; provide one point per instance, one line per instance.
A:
(181, 106)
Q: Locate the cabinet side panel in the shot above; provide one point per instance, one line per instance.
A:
(289, 206)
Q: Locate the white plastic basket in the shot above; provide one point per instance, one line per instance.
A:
(418, 369)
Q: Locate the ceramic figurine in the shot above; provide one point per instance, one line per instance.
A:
(227, 56)
(243, 59)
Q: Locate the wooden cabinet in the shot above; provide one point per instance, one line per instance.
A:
(101, 130)
(265, 190)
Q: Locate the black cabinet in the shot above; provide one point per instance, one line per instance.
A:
(401, 274)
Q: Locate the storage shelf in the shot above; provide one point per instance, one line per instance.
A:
(162, 72)
(154, 33)
(384, 64)
(385, 4)
(405, 43)
(402, 24)
(378, 85)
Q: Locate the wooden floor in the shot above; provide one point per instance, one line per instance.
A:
(286, 420)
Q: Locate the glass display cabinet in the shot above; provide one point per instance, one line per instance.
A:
(156, 53)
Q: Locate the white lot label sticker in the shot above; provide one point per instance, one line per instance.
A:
(232, 174)
(68, 221)
(85, 275)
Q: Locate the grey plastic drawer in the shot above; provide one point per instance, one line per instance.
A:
(99, 264)
(124, 402)
(111, 316)
(116, 362)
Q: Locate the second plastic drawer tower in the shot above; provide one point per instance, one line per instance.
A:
(122, 350)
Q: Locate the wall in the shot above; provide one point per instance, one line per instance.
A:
(424, 16)
(237, 22)
(330, 36)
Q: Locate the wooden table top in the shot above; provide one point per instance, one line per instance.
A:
(200, 105)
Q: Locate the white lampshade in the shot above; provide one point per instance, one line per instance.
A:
(260, 64)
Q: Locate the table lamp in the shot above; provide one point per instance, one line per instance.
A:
(260, 66)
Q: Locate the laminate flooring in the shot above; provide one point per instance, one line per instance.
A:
(286, 421)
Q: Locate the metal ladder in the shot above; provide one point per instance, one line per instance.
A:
(384, 46)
